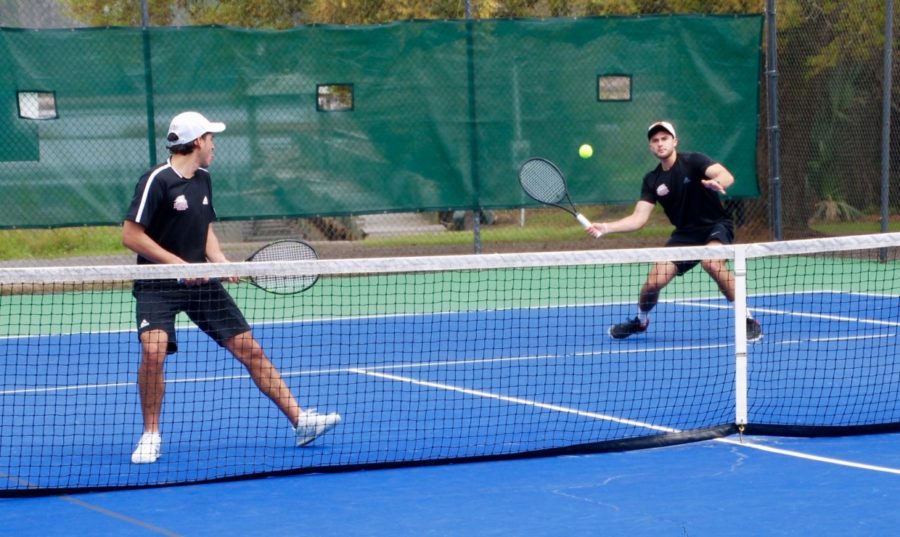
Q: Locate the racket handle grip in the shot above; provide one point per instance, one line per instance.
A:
(583, 221)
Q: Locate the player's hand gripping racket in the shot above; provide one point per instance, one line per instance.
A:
(543, 181)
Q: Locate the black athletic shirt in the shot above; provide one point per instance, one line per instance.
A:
(175, 212)
(689, 205)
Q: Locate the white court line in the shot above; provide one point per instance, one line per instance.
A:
(470, 361)
(216, 378)
(189, 326)
(480, 393)
(823, 316)
(419, 365)
(837, 338)
(516, 400)
(338, 370)
(625, 421)
(54, 389)
(809, 457)
(536, 404)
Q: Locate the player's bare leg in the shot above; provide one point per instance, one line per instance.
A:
(660, 275)
(151, 377)
(724, 278)
(152, 389)
(248, 351)
(309, 424)
(722, 275)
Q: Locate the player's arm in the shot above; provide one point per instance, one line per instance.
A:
(633, 222)
(135, 238)
(718, 178)
(214, 253)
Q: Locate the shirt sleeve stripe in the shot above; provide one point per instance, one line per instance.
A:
(146, 192)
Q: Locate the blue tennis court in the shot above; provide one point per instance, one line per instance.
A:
(704, 488)
(411, 393)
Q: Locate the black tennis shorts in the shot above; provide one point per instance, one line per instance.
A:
(208, 305)
(722, 232)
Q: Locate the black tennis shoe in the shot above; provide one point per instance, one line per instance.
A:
(754, 330)
(628, 328)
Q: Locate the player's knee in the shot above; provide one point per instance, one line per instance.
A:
(245, 347)
(152, 363)
(653, 288)
(713, 266)
(154, 345)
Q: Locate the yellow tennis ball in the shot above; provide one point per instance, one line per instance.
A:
(585, 151)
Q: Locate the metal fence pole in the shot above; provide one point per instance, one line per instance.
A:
(473, 118)
(886, 115)
(772, 120)
(148, 82)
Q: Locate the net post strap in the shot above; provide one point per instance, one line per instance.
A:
(740, 335)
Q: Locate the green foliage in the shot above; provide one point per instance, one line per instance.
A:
(119, 12)
(379, 11)
(853, 30)
(279, 14)
(255, 14)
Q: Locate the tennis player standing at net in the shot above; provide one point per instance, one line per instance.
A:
(687, 185)
(170, 221)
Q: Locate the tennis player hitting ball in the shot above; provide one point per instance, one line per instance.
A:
(170, 221)
(687, 185)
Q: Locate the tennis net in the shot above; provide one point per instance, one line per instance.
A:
(449, 358)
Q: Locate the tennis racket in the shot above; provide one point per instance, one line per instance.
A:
(543, 182)
(284, 250)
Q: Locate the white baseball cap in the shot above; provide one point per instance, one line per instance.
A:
(188, 126)
(661, 126)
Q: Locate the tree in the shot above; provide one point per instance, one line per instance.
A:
(255, 14)
(829, 54)
(279, 14)
(854, 30)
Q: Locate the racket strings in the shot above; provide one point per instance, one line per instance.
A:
(542, 182)
(285, 251)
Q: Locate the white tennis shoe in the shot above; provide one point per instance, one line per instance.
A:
(312, 425)
(147, 450)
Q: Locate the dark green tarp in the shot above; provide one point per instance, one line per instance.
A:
(443, 112)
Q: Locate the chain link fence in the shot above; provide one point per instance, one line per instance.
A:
(831, 78)
(830, 75)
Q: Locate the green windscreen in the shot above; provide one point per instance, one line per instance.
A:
(327, 120)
